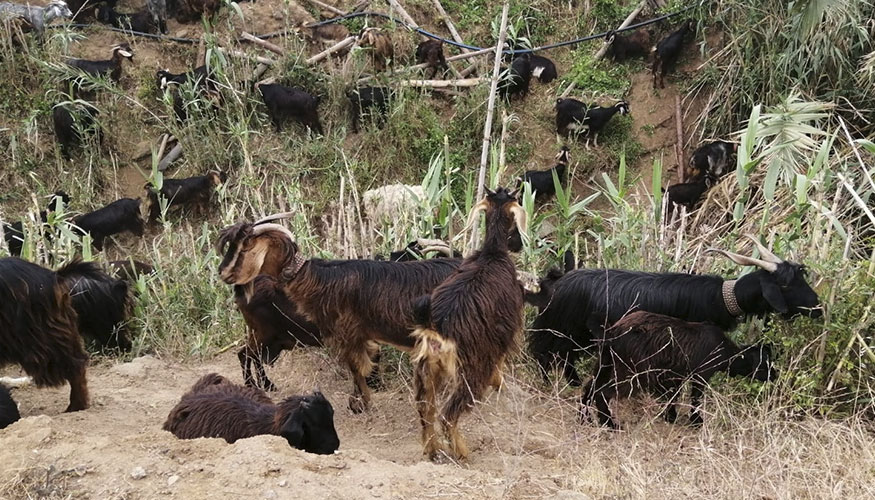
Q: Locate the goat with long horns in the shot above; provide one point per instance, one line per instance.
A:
(585, 302)
(355, 304)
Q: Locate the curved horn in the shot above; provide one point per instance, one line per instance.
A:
(263, 228)
(767, 254)
(271, 218)
(443, 249)
(521, 220)
(744, 260)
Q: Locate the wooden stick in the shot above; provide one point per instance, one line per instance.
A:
(631, 17)
(346, 42)
(263, 43)
(171, 157)
(449, 22)
(327, 7)
(465, 82)
(395, 4)
(163, 146)
(679, 147)
(490, 111)
(259, 71)
(239, 53)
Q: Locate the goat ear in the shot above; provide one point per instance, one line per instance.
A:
(521, 220)
(293, 429)
(772, 294)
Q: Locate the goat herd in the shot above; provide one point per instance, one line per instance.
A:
(459, 319)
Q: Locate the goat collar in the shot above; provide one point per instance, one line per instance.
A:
(729, 299)
(292, 270)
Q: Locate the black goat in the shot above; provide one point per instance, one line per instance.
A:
(194, 191)
(431, 52)
(111, 68)
(687, 194)
(585, 301)
(543, 69)
(597, 117)
(668, 50)
(117, 217)
(141, 21)
(542, 181)
(38, 328)
(660, 354)
(284, 103)
(516, 80)
(231, 412)
(467, 327)
(368, 98)
(102, 303)
(622, 47)
(73, 122)
(713, 159)
(8, 409)
(570, 116)
(14, 233)
(275, 325)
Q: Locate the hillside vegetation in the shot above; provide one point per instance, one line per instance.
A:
(793, 83)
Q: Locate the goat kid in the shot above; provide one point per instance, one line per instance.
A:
(622, 47)
(373, 99)
(542, 181)
(196, 192)
(111, 68)
(217, 408)
(597, 117)
(431, 52)
(14, 233)
(713, 159)
(381, 48)
(467, 327)
(660, 354)
(33, 16)
(73, 123)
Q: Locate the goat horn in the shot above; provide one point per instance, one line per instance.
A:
(767, 254)
(744, 260)
(263, 228)
(443, 249)
(271, 218)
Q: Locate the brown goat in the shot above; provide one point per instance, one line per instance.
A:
(468, 326)
(431, 52)
(38, 328)
(382, 50)
(215, 407)
(356, 304)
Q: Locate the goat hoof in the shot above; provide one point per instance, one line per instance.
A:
(270, 386)
(357, 405)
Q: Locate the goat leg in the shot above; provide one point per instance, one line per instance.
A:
(697, 391)
(78, 390)
(426, 376)
(360, 365)
(245, 359)
(258, 360)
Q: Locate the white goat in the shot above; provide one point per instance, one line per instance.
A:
(37, 17)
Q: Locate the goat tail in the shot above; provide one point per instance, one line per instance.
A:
(436, 351)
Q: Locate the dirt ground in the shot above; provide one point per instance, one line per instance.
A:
(526, 443)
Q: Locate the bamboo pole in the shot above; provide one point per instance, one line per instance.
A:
(346, 42)
(627, 22)
(171, 157)
(679, 128)
(490, 111)
(395, 4)
(240, 53)
(455, 34)
(263, 43)
(601, 52)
